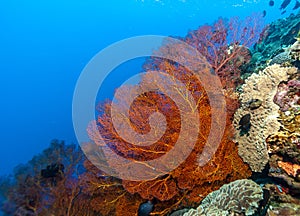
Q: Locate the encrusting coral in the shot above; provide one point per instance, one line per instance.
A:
(241, 197)
(280, 202)
(286, 142)
(284, 145)
(288, 96)
(256, 119)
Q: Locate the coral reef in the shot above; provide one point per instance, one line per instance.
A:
(283, 58)
(226, 60)
(184, 185)
(289, 168)
(295, 50)
(274, 45)
(256, 119)
(289, 55)
(106, 194)
(283, 209)
(48, 184)
(277, 35)
(188, 183)
(61, 181)
(284, 146)
(280, 202)
(238, 197)
(288, 95)
(265, 115)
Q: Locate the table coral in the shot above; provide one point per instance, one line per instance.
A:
(262, 121)
(241, 196)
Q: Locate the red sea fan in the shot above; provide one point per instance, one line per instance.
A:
(225, 44)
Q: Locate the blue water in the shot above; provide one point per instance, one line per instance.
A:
(44, 45)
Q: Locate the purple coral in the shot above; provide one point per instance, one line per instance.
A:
(288, 95)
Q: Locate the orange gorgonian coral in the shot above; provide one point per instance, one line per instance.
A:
(189, 182)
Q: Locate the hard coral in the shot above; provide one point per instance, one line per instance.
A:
(286, 142)
(255, 123)
(280, 201)
(280, 33)
(288, 95)
(239, 197)
(295, 50)
(289, 55)
(277, 34)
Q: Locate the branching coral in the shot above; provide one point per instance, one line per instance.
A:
(256, 119)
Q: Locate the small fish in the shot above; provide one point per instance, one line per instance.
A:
(271, 3)
(245, 124)
(284, 4)
(264, 13)
(145, 208)
(297, 5)
(283, 12)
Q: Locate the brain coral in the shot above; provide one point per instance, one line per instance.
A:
(256, 119)
(240, 196)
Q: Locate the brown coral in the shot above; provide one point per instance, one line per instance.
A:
(254, 124)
